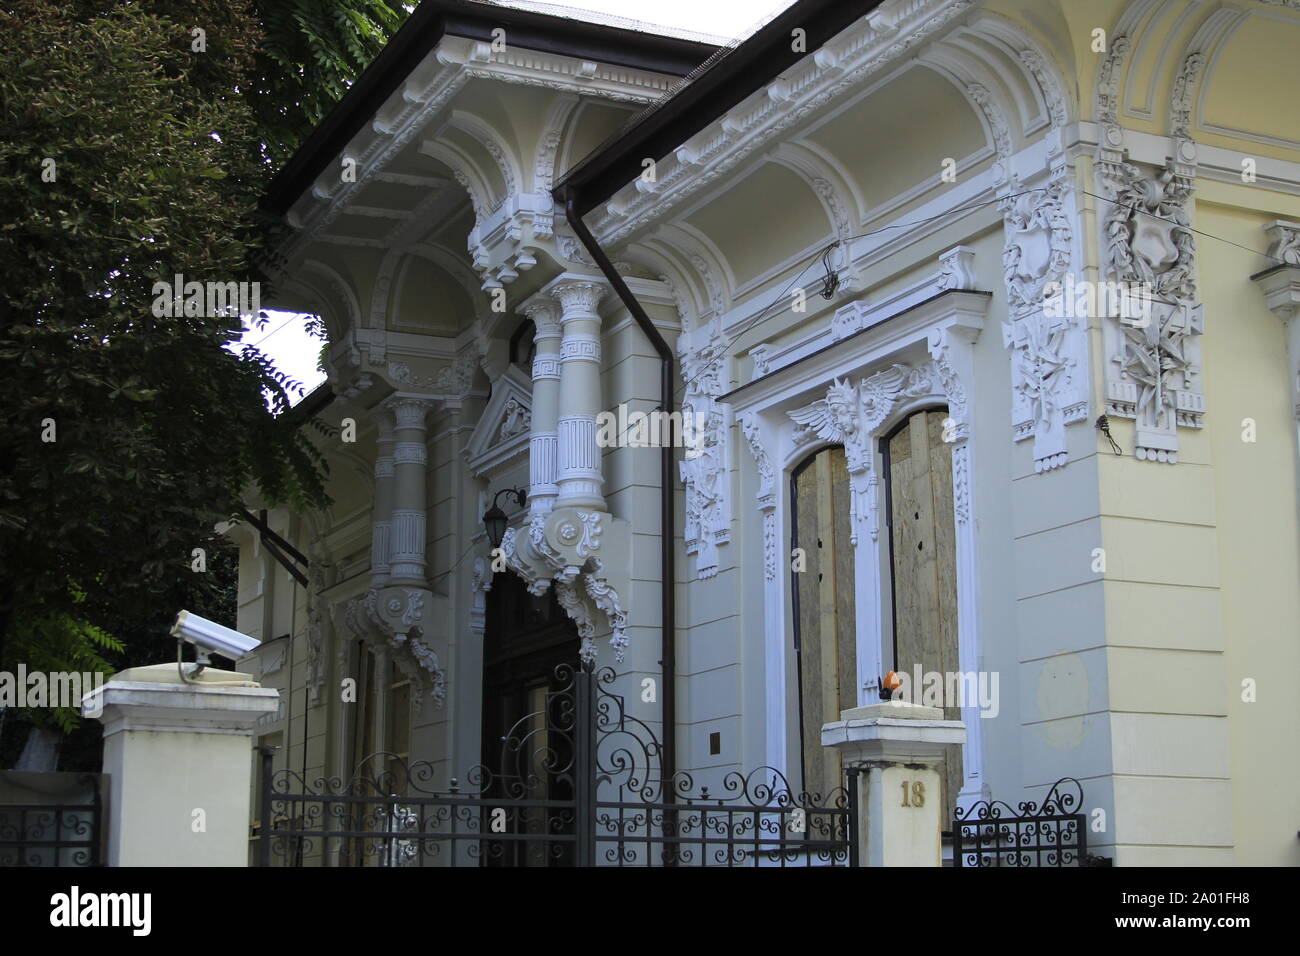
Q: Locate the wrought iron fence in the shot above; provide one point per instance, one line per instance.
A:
(577, 783)
(34, 831)
(755, 819)
(1052, 833)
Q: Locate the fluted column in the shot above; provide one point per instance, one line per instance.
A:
(410, 457)
(381, 539)
(543, 440)
(580, 480)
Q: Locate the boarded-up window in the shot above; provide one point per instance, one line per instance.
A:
(922, 544)
(824, 625)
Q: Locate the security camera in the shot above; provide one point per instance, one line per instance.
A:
(210, 637)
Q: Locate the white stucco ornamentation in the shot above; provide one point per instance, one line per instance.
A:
(559, 548)
(1154, 363)
(957, 269)
(705, 466)
(480, 584)
(588, 541)
(1049, 367)
(749, 425)
(456, 379)
(426, 658)
(527, 553)
(566, 592)
(849, 415)
(316, 630)
(393, 617)
(998, 128)
(1280, 284)
(516, 420)
(606, 599)
(1283, 242)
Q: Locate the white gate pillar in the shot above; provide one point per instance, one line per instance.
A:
(900, 748)
(171, 750)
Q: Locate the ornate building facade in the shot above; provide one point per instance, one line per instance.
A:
(899, 278)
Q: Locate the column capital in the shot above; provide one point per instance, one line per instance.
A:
(578, 295)
(408, 411)
(1280, 282)
(382, 416)
(1284, 242)
(545, 315)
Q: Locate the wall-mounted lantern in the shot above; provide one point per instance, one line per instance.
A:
(495, 520)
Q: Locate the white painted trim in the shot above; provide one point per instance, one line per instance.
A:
(849, 319)
(934, 336)
(484, 452)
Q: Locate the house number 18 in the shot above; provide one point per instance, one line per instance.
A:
(918, 793)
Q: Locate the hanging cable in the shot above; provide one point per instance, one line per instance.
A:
(831, 282)
(1103, 425)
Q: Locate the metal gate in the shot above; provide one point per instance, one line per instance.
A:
(578, 783)
(50, 819)
(1053, 833)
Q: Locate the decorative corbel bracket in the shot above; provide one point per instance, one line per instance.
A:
(586, 555)
(1281, 287)
(398, 616)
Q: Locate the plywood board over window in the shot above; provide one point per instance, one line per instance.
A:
(923, 550)
(824, 616)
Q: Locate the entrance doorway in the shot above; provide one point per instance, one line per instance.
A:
(525, 639)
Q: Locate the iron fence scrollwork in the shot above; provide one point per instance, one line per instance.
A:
(756, 819)
(65, 833)
(576, 783)
(1050, 833)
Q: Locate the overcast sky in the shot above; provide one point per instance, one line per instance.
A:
(284, 337)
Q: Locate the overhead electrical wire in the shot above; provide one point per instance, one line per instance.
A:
(824, 254)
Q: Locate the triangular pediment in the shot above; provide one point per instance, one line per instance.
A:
(502, 432)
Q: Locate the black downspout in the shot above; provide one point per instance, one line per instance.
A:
(667, 546)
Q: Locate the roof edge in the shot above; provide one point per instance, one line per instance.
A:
(424, 29)
(735, 75)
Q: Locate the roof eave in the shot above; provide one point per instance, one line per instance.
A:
(735, 76)
(424, 29)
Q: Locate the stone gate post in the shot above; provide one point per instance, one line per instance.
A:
(179, 760)
(900, 749)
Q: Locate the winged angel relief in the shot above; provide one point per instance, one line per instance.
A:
(849, 416)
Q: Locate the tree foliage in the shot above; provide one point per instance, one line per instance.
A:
(314, 49)
(129, 156)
